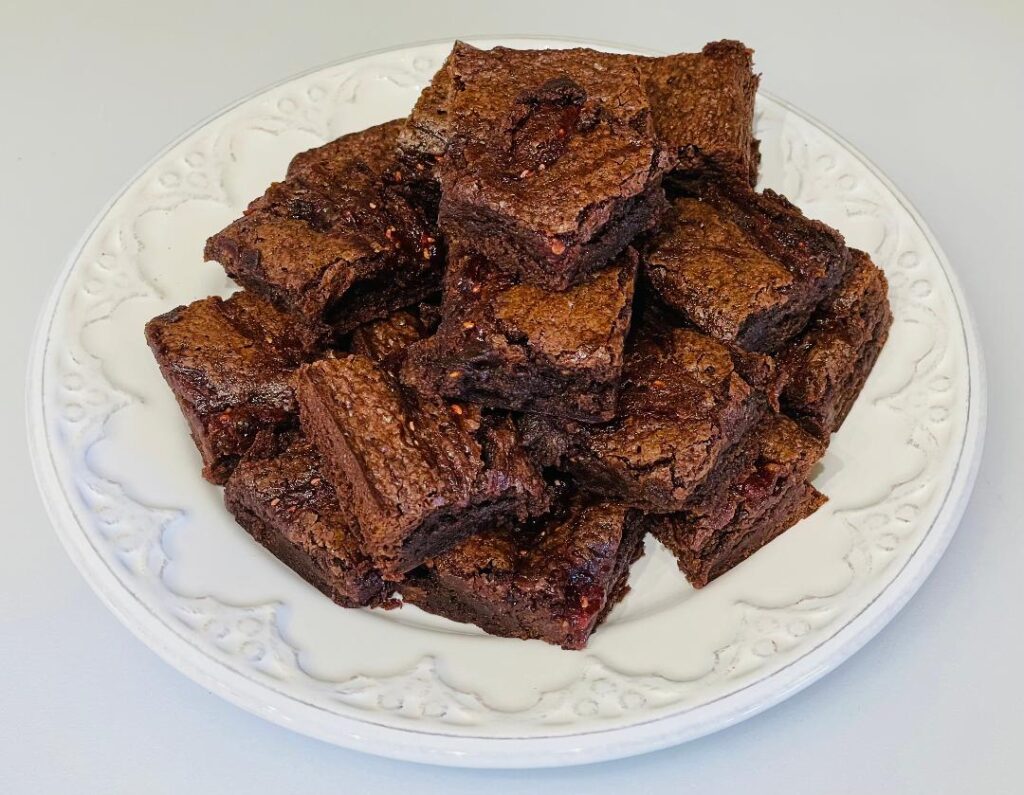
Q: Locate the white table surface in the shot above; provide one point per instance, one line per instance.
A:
(932, 91)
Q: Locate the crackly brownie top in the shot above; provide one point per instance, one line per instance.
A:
(774, 457)
(682, 404)
(290, 493)
(222, 354)
(766, 494)
(581, 328)
(851, 322)
(497, 87)
(813, 251)
(703, 103)
(385, 341)
(417, 455)
(783, 446)
(426, 133)
(562, 563)
(734, 261)
(341, 215)
(849, 308)
(374, 146)
(475, 91)
(705, 265)
(423, 451)
(680, 399)
(543, 135)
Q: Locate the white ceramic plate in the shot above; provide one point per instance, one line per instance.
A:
(121, 480)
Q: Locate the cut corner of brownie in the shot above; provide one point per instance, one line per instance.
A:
(703, 106)
(747, 268)
(386, 341)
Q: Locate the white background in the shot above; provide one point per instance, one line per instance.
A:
(933, 92)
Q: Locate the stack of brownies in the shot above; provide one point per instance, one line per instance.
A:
(481, 352)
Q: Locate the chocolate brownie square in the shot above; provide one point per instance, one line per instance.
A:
(761, 492)
(682, 406)
(450, 107)
(510, 345)
(228, 363)
(340, 241)
(825, 368)
(703, 108)
(553, 165)
(285, 502)
(746, 268)
(554, 579)
(424, 474)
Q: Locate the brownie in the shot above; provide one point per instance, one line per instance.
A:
(286, 503)
(683, 404)
(340, 241)
(424, 474)
(763, 491)
(746, 268)
(703, 108)
(511, 345)
(553, 165)
(373, 147)
(469, 96)
(826, 366)
(554, 579)
(385, 341)
(228, 363)
(425, 136)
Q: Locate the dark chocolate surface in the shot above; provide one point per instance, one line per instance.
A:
(228, 363)
(744, 267)
(424, 474)
(553, 164)
(763, 492)
(683, 404)
(826, 366)
(703, 108)
(286, 503)
(340, 241)
(553, 580)
(516, 346)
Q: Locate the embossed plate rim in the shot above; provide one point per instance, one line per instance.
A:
(532, 751)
